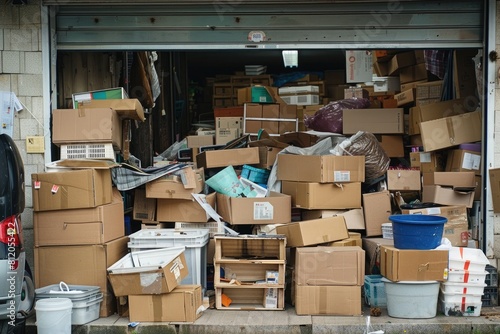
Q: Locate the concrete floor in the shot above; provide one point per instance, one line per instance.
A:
(287, 322)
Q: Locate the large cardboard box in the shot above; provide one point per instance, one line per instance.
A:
(413, 73)
(101, 94)
(451, 131)
(183, 210)
(429, 90)
(406, 97)
(199, 141)
(328, 300)
(392, 145)
(127, 278)
(459, 180)
(125, 108)
(400, 60)
(314, 232)
(403, 180)
(180, 305)
(230, 157)
(427, 162)
(463, 161)
(80, 265)
(173, 187)
(330, 266)
(413, 265)
(144, 208)
(72, 189)
(321, 168)
(447, 196)
(354, 219)
(494, 174)
(93, 125)
(274, 209)
(376, 210)
(309, 195)
(376, 121)
(80, 226)
(267, 156)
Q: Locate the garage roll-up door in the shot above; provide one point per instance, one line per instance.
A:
(223, 24)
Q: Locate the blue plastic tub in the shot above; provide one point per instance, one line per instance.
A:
(417, 231)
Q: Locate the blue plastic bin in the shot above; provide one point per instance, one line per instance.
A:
(417, 231)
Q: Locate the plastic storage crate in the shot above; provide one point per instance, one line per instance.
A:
(88, 151)
(256, 175)
(374, 290)
(462, 258)
(490, 297)
(466, 276)
(195, 241)
(213, 227)
(491, 278)
(460, 309)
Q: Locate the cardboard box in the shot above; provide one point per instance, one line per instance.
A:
(272, 127)
(328, 300)
(403, 180)
(95, 125)
(255, 94)
(252, 127)
(413, 73)
(80, 265)
(359, 66)
(299, 139)
(309, 195)
(321, 168)
(267, 156)
(385, 84)
(354, 219)
(413, 265)
(72, 189)
(199, 141)
(314, 232)
(376, 210)
(253, 110)
(127, 278)
(144, 208)
(376, 121)
(355, 93)
(236, 111)
(429, 90)
(172, 187)
(180, 305)
(464, 73)
(80, 226)
(406, 97)
(459, 180)
(494, 174)
(230, 157)
(410, 85)
(427, 162)
(353, 240)
(125, 108)
(101, 94)
(321, 266)
(335, 77)
(183, 210)
(451, 131)
(463, 161)
(400, 60)
(392, 145)
(275, 209)
(447, 196)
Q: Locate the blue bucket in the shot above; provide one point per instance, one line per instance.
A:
(417, 231)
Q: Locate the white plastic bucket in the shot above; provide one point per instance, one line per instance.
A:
(53, 315)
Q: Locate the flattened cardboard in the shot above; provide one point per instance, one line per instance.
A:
(353, 218)
(172, 187)
(376, 121)
(309, 195)
(72, 189)
(275, 209)
(328, 300)
(413, 265)
(182, 210)
(125, 108)
(231, 157)
(80, 226)
(314, 232)
(321, 168)
(376, 210)
(93, 125)
(330, 266)
(403, 180)
(180, 305)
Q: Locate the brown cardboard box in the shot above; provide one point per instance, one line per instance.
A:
(459, 180)
(403, 180)
(72, 189)
(80, 226)
(355, 93)
(182, 210)
(253, 110)
(126, 278)
(351, 241)
(463, 161)
(329, 266)
(286, 126)
(406, 97)
(429, 90)
(309, 195)
(275, 209)
(172, 187)
(267, 156)
(451, 131)
(252, 126)
(427, 162)
(376, 210)
(224, 158)
(314, 232)
(94, 125)
(236, 111)
(300, 139)
(199, 141)
(271, 111)
(180, 305)
(321, 168)
(125, 108)
(80, 265)
(328, 300)
(392, 145)
(494, 174)
(410, 85)
(272, 127)
(400, 60)
(144, 208)
(447, 196)
(354, 219)
(413, 265)
(376, 121)
(413, 73)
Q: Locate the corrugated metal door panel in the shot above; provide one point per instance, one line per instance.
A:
(334, 25)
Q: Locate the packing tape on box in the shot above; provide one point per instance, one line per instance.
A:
(157, 307)
(323, 300)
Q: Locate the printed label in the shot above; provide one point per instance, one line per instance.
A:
(471, 161)
(263, 211)
(425, 157)
(341, 176)
(433, 211)
(55, 189)
(37, 184)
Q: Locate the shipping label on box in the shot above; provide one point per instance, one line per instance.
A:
(427, 162)
(311, 195)
(314, 232)
(359, 66)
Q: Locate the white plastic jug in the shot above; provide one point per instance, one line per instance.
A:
(53, 315)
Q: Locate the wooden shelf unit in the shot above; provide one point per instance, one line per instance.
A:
(241, 265)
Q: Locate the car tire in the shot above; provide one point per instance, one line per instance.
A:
(27, 293)
(5, 328)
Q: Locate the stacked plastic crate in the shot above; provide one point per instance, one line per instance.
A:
(461, 294)
(490, 296)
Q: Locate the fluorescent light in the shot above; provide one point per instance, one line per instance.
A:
(291, 58)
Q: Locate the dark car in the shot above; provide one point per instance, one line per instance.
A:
(16, 283)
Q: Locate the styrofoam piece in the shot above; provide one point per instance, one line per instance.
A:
(462, 309)
(463, 288)
(463, 258)
(466, 276)
(169, 237)
(460, 297)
